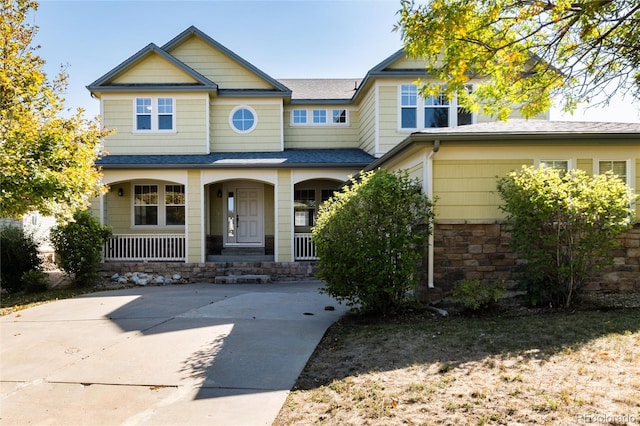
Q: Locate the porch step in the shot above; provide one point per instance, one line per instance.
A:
(240, 258)
(242, 279)
(243, 251)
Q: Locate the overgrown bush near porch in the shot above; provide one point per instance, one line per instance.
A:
(370, 238)
(564, 225)
(78, 245)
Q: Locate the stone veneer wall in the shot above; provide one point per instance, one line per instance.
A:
(207, 272)
(480, 250)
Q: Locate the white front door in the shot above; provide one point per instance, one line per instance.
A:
(244, 218)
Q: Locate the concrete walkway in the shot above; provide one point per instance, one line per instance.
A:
(189, 354)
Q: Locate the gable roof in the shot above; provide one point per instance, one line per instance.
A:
(103, 84)
(193, 31)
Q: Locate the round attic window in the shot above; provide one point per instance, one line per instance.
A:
(243, 119)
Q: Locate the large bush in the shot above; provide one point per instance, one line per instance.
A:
(78, 245)
(18, 254)
(564, 225)
(370, 238)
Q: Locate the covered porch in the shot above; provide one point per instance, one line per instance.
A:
(243, 220)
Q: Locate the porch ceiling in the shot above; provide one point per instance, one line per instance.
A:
(288, 158)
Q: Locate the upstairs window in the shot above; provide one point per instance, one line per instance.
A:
(319, 116)
(409, 106)
(418, 113)
(243, 119)
(339, 116)
(299, 116)
(154, 114)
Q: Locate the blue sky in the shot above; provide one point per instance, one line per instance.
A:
(285, 39)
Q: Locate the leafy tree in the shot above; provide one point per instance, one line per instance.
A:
(78, 245)
(370, 238)
(530, 50)
(564, 225)
(47, 160)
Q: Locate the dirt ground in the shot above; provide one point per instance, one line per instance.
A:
(519, 366)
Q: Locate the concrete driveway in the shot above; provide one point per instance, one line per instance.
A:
(185, 354)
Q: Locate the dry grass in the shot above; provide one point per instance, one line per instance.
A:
(509, 368)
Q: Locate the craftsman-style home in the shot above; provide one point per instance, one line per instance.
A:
(215, 164)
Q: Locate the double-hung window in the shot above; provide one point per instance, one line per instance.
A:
(304, 207)
(158, 205)
(154, 114)
(409, 106)
(417, 112)
(618, 167)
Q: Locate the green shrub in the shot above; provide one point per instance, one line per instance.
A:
(564, 225)
(476, 296)
(18, 254)
(370, 238)
(78, 245)
(35, 282)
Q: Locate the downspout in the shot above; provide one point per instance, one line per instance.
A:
(429, 182)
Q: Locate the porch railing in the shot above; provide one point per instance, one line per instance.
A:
(304, 248)
(160, 247)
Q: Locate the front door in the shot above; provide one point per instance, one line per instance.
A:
(244, 218)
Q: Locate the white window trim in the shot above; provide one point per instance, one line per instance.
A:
(329, 115)
(420, 107)
(255, 119)
(162, 219)
(629, 165)
(154, 116)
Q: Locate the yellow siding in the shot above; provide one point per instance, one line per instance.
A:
(265, 137)
(154, 69)
(367, 131)
(388, 118)
(283, 239)
(585, 164)
(466, 189)
(269, 223)
(637, 188)
(408, 63)
(194, 217)
(190, 136)
(322, 136)
(217, 66)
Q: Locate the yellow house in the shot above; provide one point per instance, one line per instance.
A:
(215, 166)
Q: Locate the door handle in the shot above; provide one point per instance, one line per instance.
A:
(237, 221)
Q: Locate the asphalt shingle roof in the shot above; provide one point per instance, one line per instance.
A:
(286, 158)
(521, 126)
(315, 89)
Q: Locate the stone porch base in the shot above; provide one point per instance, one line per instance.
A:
(209, 271)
